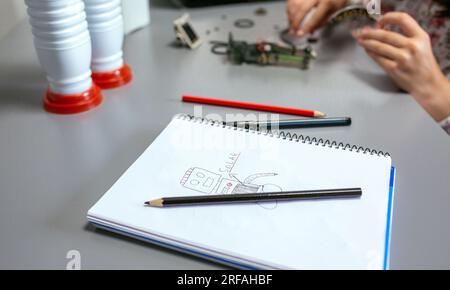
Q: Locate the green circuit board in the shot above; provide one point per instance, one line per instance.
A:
(264, 53)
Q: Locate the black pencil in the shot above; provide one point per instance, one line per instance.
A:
(256, 197)
(293, 124)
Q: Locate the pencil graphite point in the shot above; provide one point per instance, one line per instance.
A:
(147, 203)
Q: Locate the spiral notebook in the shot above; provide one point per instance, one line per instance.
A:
(194, 156)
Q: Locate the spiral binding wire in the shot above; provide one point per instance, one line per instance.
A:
(287, 136)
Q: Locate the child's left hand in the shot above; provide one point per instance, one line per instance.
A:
(408, 59)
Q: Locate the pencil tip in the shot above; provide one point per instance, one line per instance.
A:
(147, 203)
(319, 114)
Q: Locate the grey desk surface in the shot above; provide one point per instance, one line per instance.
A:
(54, 168)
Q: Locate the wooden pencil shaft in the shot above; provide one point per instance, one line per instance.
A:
(253, 106)
(263, 197)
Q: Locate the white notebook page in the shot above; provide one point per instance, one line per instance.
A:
(192, 158)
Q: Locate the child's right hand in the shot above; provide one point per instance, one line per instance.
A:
(298, 9)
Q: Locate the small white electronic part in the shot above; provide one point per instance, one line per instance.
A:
(186, 33)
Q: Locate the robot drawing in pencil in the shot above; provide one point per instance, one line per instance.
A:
(208, 182)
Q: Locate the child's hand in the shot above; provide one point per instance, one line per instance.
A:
(409, 60)
(298, 9)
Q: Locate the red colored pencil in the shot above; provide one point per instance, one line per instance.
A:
(253, 106)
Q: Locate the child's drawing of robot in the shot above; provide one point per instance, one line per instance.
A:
(208, 182)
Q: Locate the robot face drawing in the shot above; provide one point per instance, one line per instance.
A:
(200, 180)
(205, 181)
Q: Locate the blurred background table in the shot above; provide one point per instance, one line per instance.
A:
(54, 168)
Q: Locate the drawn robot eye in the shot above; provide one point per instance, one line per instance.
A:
(195, 182)
(201, 180)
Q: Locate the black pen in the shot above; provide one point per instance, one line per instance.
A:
(293, 124)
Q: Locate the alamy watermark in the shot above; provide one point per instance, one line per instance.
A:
(74, 260)
(212, 140)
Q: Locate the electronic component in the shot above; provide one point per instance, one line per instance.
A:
(186, 33)
(261, 11)
(264, 53)
(353, 17)
(244, 23)
(351, 12)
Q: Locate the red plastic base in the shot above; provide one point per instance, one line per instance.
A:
(72, 104)
(113, 79)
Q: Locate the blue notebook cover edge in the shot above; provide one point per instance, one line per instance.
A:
(389, 220)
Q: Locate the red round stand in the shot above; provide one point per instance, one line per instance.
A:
(72, 104)
(113, 79)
